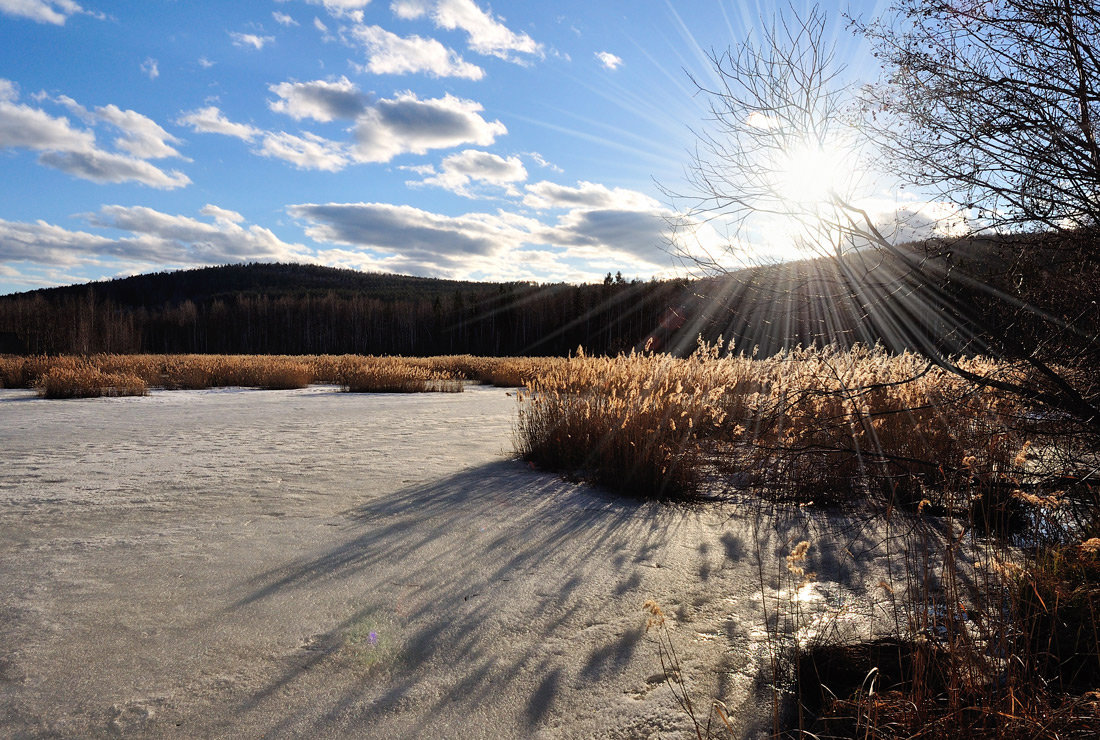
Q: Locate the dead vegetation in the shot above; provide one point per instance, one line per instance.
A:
(809, 424)
(992, 628)
(70, 376)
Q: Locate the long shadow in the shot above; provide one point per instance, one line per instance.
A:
(468, 568)
(449, 559)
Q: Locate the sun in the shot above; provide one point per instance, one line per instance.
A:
(811, 175)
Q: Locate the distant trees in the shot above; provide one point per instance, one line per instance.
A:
(990, 109)
(295, 309)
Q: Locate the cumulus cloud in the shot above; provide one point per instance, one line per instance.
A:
(470, 166)
(43, 242)
(307, 152)
(25, 127)
(43, 11)
(283, 19)
(383, 129)
(407, 124)
(107, 167)
(388, 53)
(320, 100)
(416, 240)
(589, 195)
(640, 234)
(912, 219)
(76, 152)
(609, 60)
(485, 33)
(599, 219)
(406, 229)
(246, 40)
(141, 137)
(352, 9)
(151, 238)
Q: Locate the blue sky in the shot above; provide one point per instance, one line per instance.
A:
(447, 138)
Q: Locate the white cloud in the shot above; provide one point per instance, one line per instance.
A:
(245, 40)
(388, 53)
(205, 63)
(589, 195)
(43, 11)
(762, 121)
(637, 233)
(24, 127)
(541, 161)
(283, 19)
(320, 26)
(486, 34)
(151, 238)
(407, 124)
(307, 152)
(382, 130)
(150, 68)
(609, 60)
(414, 240)
(165, 238)
(458, 171)
(76, 152)
(46, 243)
(221, 214)
(141, 136)
(320, 100)
(601, 219)
(406, 229)
(211, 120)
(107, 167)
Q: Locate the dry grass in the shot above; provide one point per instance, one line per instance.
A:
(353, 372)
(395, 375)
(810, 424)
(85, 381)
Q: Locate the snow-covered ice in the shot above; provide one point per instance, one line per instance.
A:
(311, 563)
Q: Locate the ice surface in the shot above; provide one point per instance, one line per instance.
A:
(312, 563)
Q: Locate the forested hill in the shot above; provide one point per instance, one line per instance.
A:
(291, 308)
(307, 309)
(204, 284)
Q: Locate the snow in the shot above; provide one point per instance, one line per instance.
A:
(312, 563)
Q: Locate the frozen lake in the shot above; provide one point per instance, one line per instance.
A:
(313, 563)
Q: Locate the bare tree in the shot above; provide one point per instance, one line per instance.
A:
(993, 105)
(992, 118)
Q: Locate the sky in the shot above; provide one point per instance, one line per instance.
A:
(444, 138)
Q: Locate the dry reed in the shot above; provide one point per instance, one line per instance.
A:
(353, 372)
(84, 381)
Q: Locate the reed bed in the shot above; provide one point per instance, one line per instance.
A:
(394, 375)
(810, 424)
(85, 381)
(357, 373)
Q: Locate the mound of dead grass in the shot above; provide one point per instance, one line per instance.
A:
(89, 382)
